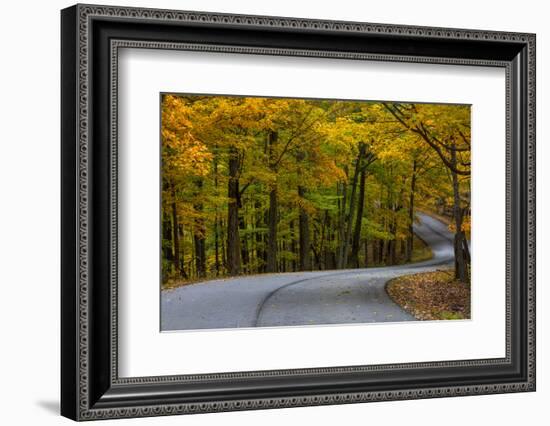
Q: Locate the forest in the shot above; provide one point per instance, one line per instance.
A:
(256, 185)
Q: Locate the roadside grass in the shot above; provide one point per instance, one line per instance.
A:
(431, 295)
(421, 252)
(171, 284)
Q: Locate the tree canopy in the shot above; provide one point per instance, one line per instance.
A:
(253, 185)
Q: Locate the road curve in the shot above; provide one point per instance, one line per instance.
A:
(301, 298)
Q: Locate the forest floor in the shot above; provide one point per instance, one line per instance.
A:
(431, 295)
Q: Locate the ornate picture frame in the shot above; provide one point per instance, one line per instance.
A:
(91, 38)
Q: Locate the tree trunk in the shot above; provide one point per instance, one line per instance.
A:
(272, 212)
(305, 263)
(199, 236)
(392, 250)
(354, 258)
(223, 241)
(217, 245)
(260, 249)
(293, 246)
(341, 221)
(411, 213)
(216, 222)
(245, 258)
(167, 235)
(460, 266)
(272, 232)
(233, 242)
(200, 256)
(343, 260)
(381, 254)
(175, 232)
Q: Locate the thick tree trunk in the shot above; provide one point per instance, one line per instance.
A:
(305, 263)
(354, 258)
(343, 260)
(233, 242)
(460, 264)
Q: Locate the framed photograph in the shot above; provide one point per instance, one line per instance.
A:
(263, 212)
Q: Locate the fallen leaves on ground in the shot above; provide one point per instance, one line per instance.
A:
(431, 295)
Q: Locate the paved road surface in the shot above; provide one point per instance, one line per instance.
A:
(301, 298)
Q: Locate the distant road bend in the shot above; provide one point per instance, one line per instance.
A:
(301, 298)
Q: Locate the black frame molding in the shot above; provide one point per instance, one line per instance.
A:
(90, 38)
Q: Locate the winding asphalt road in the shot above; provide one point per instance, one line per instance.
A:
(301, 298)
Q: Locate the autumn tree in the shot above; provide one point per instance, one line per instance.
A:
(445, 129)
(252, 184)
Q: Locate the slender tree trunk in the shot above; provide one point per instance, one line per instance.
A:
(305, 263)
(327, 241)
(260, 249)
(354, 258)
(182, 252)
(411, 214)
(293, 246)
(233, 241)
(245, 258)
(175, 231)
(316, 258)
(223, 241)
(216, 222)
(341, 222)
(322, 253)
(393, 250)
(217, 245)
(366, 253)
(273, 209)
(167, 236)
(200, 256)
(199, 235)
(272, 232)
